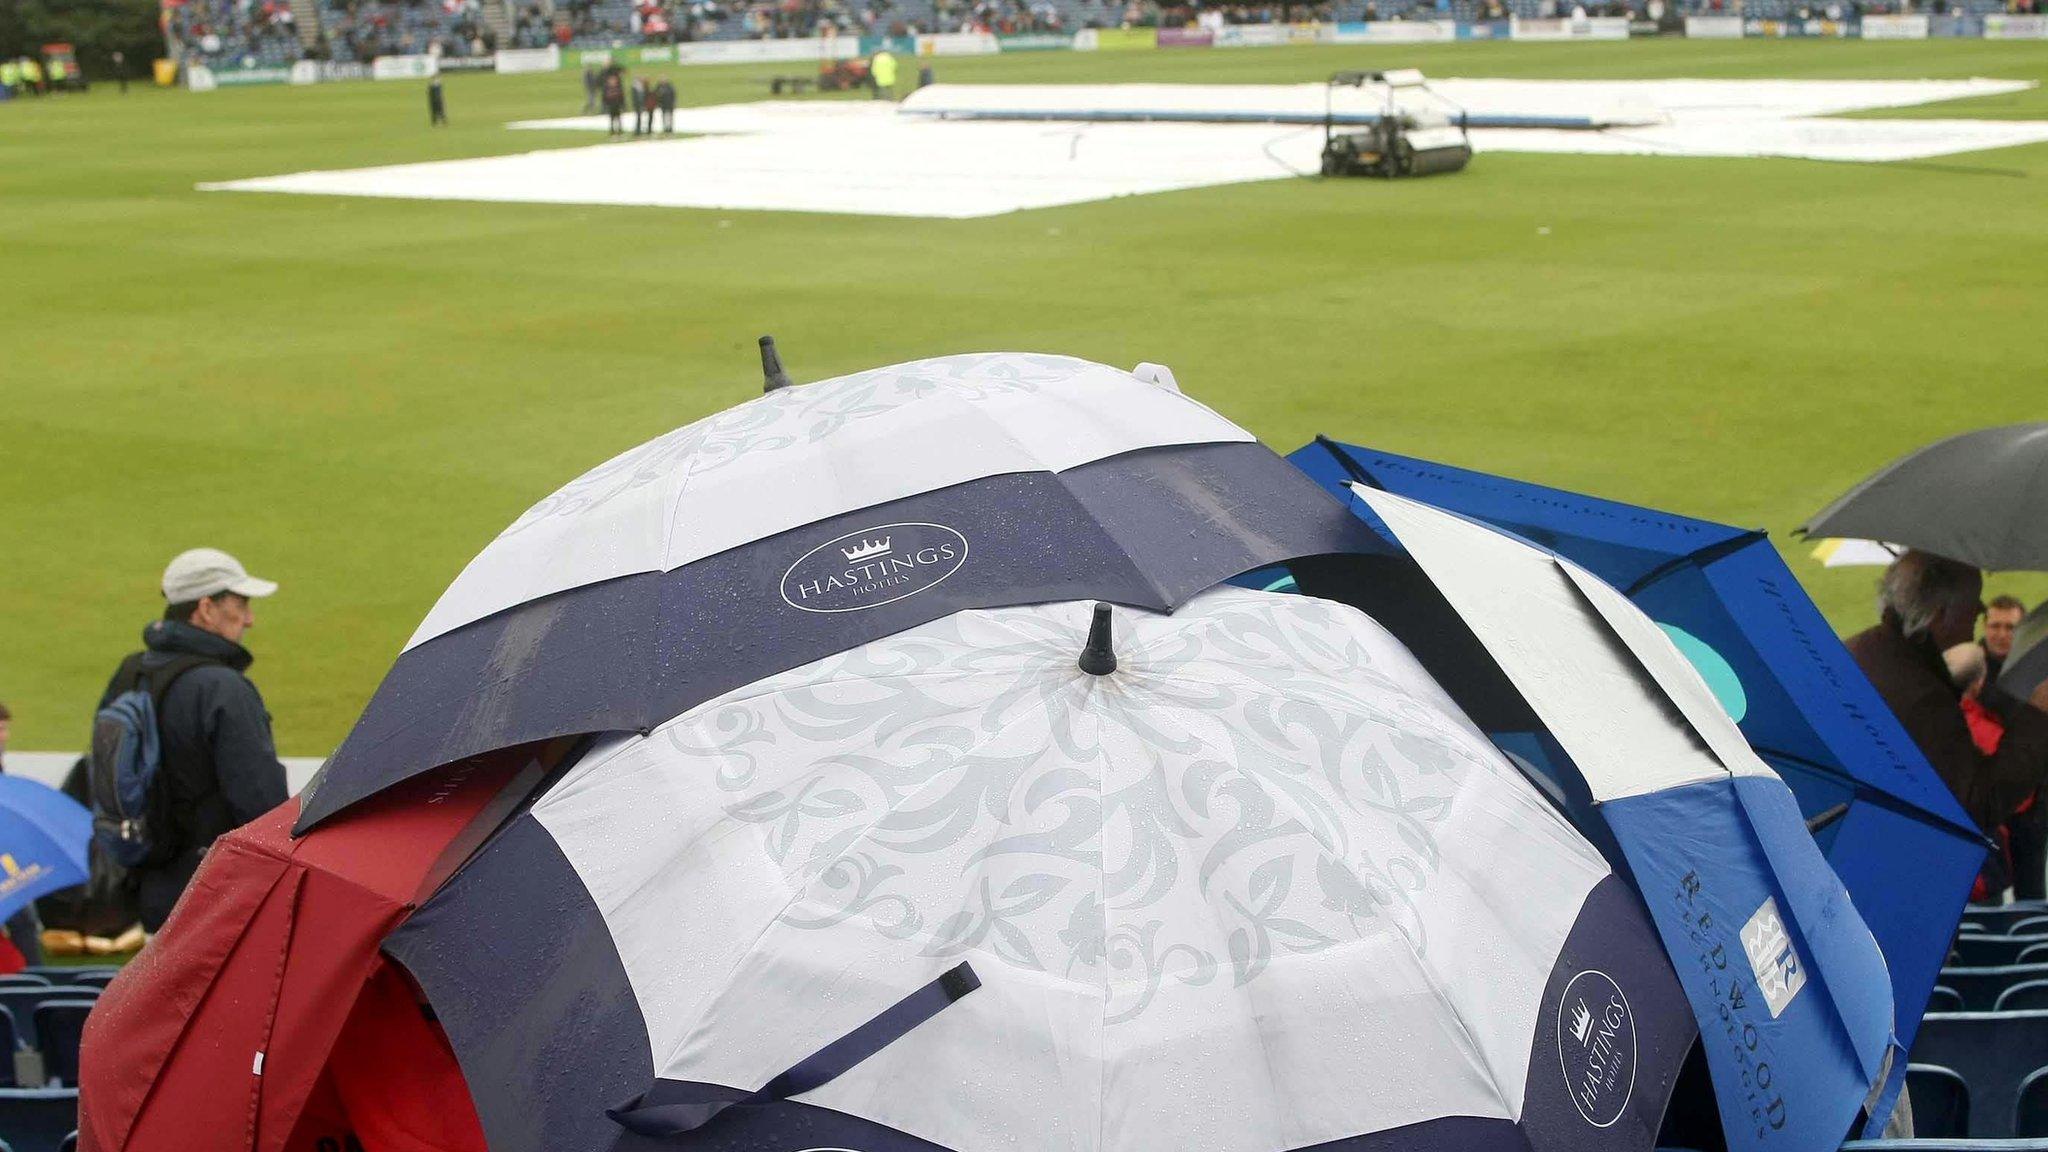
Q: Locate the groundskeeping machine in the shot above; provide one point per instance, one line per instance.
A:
(1417, 131)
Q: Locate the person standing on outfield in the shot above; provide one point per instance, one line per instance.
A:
(437, 104)
(643, 107)
(32, 74)
(614, 87)
(591, 84)
(219, 767)
(665, 97)
(882, 73)
(10, 75)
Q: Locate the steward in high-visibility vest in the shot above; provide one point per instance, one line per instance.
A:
(32, 74)
(10, 73)
(882, 69)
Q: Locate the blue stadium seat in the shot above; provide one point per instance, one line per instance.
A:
(70, 1144)
(8, 1044)
(2031, 926)
(1992, 951)
(23, 980)
(1979, 987)
(1945, 999)
(60, 1030)
(38, 1119)
(1946, 1146)
(2031, 996)
(23, 1002)
(2030, 1118)
(2038, 954)
(91, 978)
(2001, 919)
(1993, 1052)
(1941, 1101)
(54, 973)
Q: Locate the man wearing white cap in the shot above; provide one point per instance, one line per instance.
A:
(219, 765)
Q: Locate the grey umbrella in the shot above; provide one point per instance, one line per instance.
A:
(1981, 497)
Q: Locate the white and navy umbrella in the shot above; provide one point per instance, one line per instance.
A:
(813, 519)
(1243, 880)
(854, 854)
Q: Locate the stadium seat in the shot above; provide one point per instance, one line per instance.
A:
(2031, 926)
(1946, 1146)
(1945, 999)
(2001, 919)
(1941, 1101)
(8, 1044)
(38, 1119)
(2031, 996)
(1992, 951)
(92, 978)
(23, 1001)
(60, 1028)
(23, 980)
(2038, 954)
(2030, 1118)
(1979, 987)
(1993, 1052)
(70, 1144)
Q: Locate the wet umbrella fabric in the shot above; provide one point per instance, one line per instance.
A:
(1976, 498)
(44, 838)
(1889, 827)
(1152, 522)
(1788, 985)
(214, 1038)
(1262, 887)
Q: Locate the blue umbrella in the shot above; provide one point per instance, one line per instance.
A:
(44, 835)
(1901, 844)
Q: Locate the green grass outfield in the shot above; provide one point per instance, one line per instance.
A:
(355, 395)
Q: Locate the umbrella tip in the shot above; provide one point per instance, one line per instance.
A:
(1098, 658)
(772, 375)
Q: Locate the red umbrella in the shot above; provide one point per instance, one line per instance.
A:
(217, 1035)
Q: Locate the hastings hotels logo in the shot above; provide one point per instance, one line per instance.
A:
(873, 567)
(1596, 1047)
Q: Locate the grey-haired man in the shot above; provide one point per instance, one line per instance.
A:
(220, 767)
(1931, 604)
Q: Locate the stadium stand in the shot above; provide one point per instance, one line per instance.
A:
(233, 33)
(1994, 1053)
(361, 30)
(2002, 920)
(38, 1119)
(1946, 1146)
(1941, 1101)
(1981, 987)
(1973, 951)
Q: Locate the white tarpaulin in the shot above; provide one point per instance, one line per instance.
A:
(865, 158)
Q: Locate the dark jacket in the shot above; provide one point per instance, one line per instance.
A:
(220, 768)
(1911, 676)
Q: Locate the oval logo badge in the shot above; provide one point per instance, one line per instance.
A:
(873, 567)
(1596, 1046)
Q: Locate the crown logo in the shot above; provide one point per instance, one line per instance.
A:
(867, 549)
(1582, 1022)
